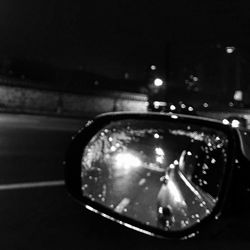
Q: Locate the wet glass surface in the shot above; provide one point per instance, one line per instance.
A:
(164, 174)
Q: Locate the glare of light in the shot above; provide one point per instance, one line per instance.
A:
(159, 151)
(159, 159)
(225, 121)
(205, 105)
(127, 160)
(172, 107)
(174, 116)
(195, 78)
(235, 123)
(190, 109)
(230, 49)
(238, 95)
(158, 82)
(172, 166)
(176, 162)
(153, 67)
(175, 192)
(183, 106)
(156, 136)
(157, 104)
(113, 148)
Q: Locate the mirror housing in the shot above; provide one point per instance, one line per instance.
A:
(74, 175)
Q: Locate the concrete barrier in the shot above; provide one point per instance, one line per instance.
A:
(38, 101)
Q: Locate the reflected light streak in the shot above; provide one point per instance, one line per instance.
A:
(175, 192)
(158, 82)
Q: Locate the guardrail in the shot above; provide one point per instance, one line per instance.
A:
(42, 101)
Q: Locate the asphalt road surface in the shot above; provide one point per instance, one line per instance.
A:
(37, 213)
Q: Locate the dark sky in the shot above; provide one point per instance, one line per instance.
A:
(114, 37)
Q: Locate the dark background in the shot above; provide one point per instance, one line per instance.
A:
(115, 37)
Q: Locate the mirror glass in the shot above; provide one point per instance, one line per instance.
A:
(164, 174)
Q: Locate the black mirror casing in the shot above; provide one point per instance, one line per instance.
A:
(73, 180)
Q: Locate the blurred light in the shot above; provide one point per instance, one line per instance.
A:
(235, 123)
(159, 159)
(238, 95)
(158, 104)
(158, 82)
(172, 166)
(153, 67)
(230, 49)
(159, 151)
(174, 116)
(156, 136)
(127, 160)
(195, 78)
(183, 106)
(205, 105)
(175, 192)
(225, 121)
(190, 109)
(172, 107)
(126, 75)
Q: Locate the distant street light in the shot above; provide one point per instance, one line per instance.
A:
(230, 49)
(153, 67)
(158, 82)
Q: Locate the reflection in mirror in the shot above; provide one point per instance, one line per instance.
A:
(164, 174)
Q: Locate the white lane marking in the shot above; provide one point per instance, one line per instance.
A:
(142, 182)
(122, 205)
(31, 185)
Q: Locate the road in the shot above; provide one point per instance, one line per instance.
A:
(37, 213)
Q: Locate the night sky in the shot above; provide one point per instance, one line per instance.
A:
(114, 37)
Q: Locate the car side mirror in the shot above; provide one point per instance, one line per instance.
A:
(160, 174)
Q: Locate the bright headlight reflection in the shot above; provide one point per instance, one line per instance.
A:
(127, 160)
(235, 123)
